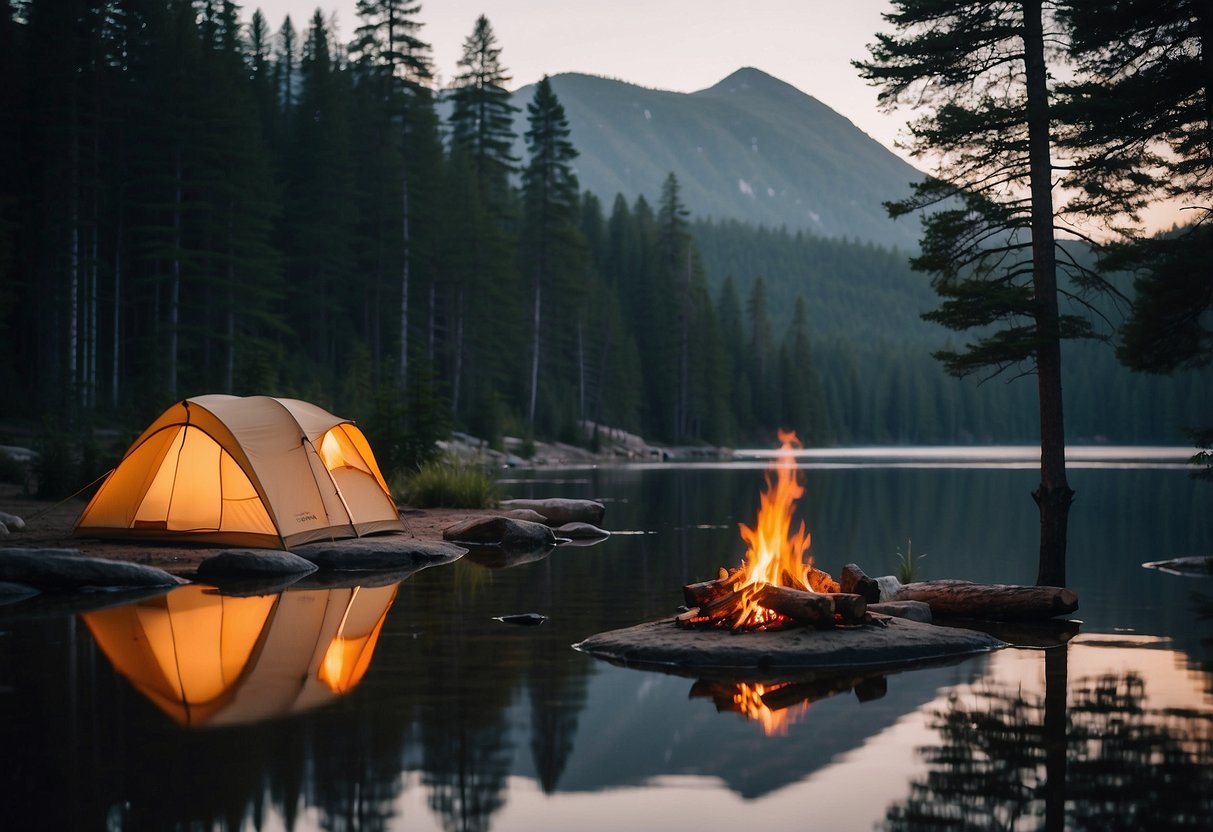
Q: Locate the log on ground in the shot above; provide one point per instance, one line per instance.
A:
(964, 599)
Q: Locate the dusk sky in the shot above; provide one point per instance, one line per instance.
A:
(681, 45)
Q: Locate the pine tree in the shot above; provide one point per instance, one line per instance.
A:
(481, 274)
(321, 212)
(551, 247)
(980, 72)
(395, 63)
(482, 117)
(676, 253)
(1142, 116)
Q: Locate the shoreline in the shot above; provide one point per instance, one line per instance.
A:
(49, 525)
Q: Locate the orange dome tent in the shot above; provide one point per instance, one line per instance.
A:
(254, 471)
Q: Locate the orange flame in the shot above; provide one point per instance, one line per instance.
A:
(774, 556)
(749, 701)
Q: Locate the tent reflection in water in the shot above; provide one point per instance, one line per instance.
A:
(244, 471)
(209, 659)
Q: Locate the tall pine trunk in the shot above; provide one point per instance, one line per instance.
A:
(402, 377)
(1053, 496)
(174, 297)
(117, 341)
(530, 410)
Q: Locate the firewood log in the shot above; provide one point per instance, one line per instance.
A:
(855, 580)
(964, 599)
(814, 608)
(704, 592)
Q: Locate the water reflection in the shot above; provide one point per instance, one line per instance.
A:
(463, 723)
(777, 706)
(210, 659)
(1123, 748)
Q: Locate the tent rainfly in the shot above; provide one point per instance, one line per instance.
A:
(252, 471)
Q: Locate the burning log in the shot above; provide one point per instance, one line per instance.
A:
(705, 592)
(815, 608)
(964, 599)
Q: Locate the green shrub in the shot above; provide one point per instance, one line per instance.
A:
(446, 483)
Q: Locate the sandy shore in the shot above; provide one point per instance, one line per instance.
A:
(50, 525)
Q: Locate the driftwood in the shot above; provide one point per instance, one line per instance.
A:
(964, 599)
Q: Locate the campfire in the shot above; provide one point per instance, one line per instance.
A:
(777, 586)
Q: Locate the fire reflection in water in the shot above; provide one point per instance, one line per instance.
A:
(778, 705)
(210, 659)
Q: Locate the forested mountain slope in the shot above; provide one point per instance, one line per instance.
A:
(750, 148)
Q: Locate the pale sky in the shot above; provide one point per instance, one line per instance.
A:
(679, 45)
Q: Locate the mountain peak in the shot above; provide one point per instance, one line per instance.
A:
(750, 78)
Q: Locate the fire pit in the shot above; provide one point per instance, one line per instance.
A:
(777, 610)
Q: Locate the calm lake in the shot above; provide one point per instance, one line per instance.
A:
(409, 707)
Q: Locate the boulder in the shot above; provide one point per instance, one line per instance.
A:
(557, 510)
(12, 521)
(249, 563)
(501, 531)
(396, 553)
(527, 515)
(913, 610)
(582, 531)
(67, 569)
(903, 642)
(3, 530)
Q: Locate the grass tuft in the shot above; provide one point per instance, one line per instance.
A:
(446, 483)
(908, 566)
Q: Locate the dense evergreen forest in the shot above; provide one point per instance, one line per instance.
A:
(195, 204)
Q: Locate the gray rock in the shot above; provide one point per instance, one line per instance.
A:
(3, 530)
(12, 521)
(67, 569)
(526, 514)
(582, 531)
(558, 510)
(501, 531)
(913, 610)
(903, 642)
(385, 553)
(246, 563)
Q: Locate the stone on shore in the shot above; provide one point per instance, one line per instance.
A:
(386, 553)
(581, 531)
(500, 531)
(67, 569)
(558, 510)
(902, 642)
(12, 522)
(250, 563)
(526, 514)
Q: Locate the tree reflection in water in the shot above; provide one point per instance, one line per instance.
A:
(1011, 760)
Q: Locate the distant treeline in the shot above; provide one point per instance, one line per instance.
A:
(194, 205)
